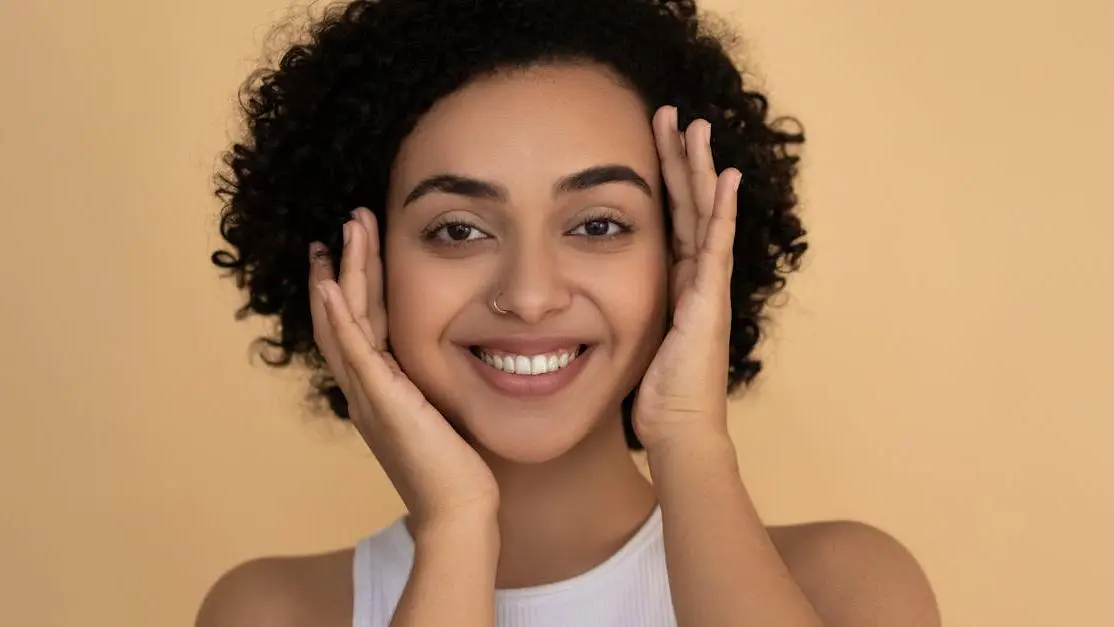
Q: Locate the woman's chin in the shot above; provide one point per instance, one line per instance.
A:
(527, 439)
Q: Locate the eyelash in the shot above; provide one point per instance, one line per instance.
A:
(625, 228)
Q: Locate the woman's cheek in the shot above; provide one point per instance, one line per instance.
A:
(633, 293)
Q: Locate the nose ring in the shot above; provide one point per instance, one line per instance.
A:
(495, 305)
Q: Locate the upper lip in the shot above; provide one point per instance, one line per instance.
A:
(530, 345)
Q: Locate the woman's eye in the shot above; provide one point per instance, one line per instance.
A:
(599, 227)
(456, 233)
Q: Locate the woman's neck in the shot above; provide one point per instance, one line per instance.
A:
(561, 518)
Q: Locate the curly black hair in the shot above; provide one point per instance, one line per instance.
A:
(323, 127)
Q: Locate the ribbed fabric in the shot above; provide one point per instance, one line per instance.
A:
(630, 589)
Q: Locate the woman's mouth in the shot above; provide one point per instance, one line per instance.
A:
(525, 375)
(530, 365)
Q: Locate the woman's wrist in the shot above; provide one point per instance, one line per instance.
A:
(453, 578)
(693, 446)
(475, 533)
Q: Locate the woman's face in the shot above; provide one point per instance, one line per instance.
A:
(541, 187)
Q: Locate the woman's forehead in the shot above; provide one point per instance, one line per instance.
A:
(547, 121)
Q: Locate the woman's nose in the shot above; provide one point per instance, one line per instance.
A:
(533, 286)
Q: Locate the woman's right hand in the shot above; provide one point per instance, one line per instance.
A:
(440, 477)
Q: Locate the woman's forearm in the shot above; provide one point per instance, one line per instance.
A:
(453, 578)
(724, 571)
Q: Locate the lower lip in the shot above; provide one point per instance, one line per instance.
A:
(529, 385)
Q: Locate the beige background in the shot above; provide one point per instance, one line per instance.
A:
(941, 368)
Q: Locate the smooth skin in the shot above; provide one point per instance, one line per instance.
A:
(475, 524)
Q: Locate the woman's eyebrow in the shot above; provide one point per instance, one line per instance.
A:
(601, 175)
(487, 190)
(457, 185)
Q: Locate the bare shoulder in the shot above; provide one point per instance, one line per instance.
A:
(282, 592)
(856, 575)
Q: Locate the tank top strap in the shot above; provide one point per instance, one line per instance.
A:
(381, 566)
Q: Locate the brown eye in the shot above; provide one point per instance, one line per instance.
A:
(454, 233)
(458, 232)
(600, 227)
(597, 227)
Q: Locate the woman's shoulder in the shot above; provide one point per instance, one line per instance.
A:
(846, 568)
(283, 592)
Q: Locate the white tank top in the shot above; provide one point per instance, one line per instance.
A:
(630, 589)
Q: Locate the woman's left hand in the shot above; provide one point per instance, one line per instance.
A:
(684, 391)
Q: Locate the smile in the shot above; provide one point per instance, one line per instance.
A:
(522, 375)
(530, 365)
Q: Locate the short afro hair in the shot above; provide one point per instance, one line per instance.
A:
(324, 124)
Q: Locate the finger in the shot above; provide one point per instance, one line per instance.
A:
(349, 380)
(675, 172)
(702, 172)
(321, 269)
(353, 280)
(373, 270)
(367, 364)
(717, 254)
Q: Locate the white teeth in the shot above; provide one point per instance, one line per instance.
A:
(522, 365)
(538, 365)
(528, 364)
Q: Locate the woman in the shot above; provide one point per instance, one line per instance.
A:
(524, 261)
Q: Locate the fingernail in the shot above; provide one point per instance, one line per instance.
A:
(673, 120)
(346, 231)
(738, 180)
